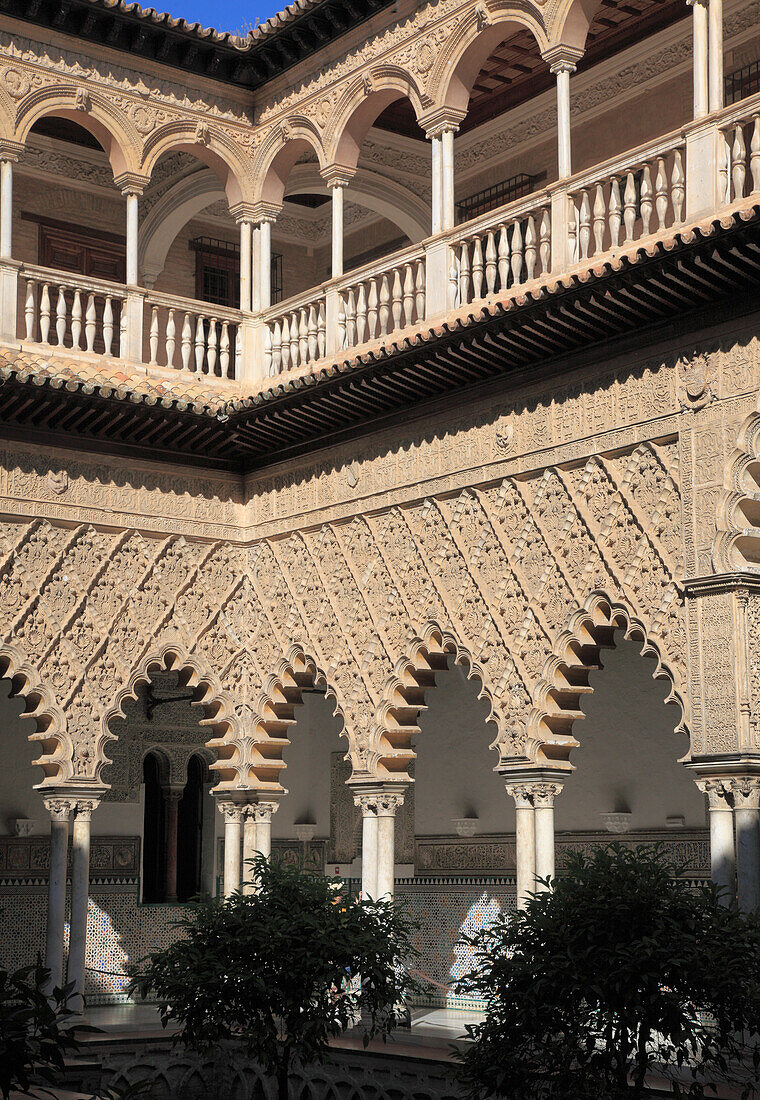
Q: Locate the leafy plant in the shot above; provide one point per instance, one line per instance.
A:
(33, 1043)
(279, 969)
(620, 972)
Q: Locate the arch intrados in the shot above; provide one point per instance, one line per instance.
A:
(41, 707)
(184, 201)
(279, 163)
(97, 122)
(460, 65)
(572, 20)
(348, 132)
(212, 153)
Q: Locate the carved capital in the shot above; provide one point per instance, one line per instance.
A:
(60, 809)
(562, 58)
(380, 802)
(85, 807)
(718, 791)
(337, 175)
(131, 183)
(746, 792)
(230, 811)
(263, 811)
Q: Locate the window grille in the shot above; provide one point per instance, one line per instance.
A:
(217, 272)
(497, 195)
(742, 82)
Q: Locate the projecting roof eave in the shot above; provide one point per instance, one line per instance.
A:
(181, 419)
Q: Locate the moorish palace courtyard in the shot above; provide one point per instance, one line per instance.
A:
(379, 458)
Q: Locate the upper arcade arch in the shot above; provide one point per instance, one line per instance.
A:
(360, 106)
(94, 113)
(277, 157)
(182, 202)
(208, 144)
(473, 40)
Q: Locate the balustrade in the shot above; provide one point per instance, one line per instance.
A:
(489, 260)
(182, 336)
(295, 338)
(613, 208)
(382, 302)
(72, 311)
(739, 158)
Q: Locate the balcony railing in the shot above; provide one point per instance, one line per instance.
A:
(648, 190)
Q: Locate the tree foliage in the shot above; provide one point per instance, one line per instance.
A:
(278, 969)
(620, 973)
(33, 1042)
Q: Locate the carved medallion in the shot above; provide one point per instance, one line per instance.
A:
(504, 434)
(58, 480)
(695, 383)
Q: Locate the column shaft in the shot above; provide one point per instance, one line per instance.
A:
(564, 160)
(80, 896)
(447, 179)
(6, 209)
(386, 862)
(525, 851)
(337, 230)
(59, 842)
(699, 61)
(172, 838)
(232, 831)
(132, 232)
(436, 184)
(722, 859)
(748, 858)
(715, 55)
(249, 851)
(245, 265)
(264, 837)
(265, 271)
(369, 853)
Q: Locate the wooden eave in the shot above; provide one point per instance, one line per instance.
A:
(684, 282)
(301, 31)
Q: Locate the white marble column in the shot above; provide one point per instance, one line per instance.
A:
(132, 236)
(6, 208)
(246, 269)
(337, 190)
(257, 835)
(59, 810)
(265, 263)
(367, 803)
(387, 804)
(447, 177)
(543, 802)
(525, 841)
(715, 55)
(232, 814)
(436, 172)
(263, 812)
(250, 850)
(562, 70)
(746, 792)
(699, 56)
(80, 896)
(722, 851)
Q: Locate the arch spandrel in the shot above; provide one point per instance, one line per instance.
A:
(281, 149)
(359, 106)
(211, 145)
(112, 128)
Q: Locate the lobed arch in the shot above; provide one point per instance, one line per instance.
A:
(42, 707)
(359, 107)
(225, 740)
(381, 194)
(565, 677)
(737, 540)
(208, 144)
(94, 113)
(404, 698)
(282, 693)
(475, 37)
(278, 155)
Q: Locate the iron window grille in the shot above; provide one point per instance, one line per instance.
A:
(499, 194)
(217, 272)
(742, 82)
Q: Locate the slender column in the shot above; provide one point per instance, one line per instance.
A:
(59, 810)
(338, 191)
(263, 812)
(249, 847)
(715, 55)
(525, 841)
(80, 896)
(746, 791)
(562, 70)
(232, 815)
(387, 804)
(245, 264)
(699, 59)
(447, 177)
(6, 208)
(722, 856)
(265, 260)
(256, 269)
(543, 801)
(132, 236)
(172, 796)
(367, 803)
(436, 183)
